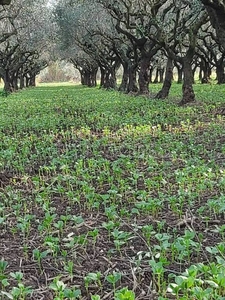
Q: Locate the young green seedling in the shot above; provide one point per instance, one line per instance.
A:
(3, 266)
(113, 279)
(92, 277)
(38, 256)
(69, 268)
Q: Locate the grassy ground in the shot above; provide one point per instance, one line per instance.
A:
(105, 196)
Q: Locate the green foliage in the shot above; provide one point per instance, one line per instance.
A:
(124, 294)
(100, 191)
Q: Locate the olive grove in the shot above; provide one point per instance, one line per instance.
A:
(142, 38)
(134, 34)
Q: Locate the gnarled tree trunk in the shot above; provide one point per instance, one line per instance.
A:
(204, 72)
(156, 80)
(164, 92)
(220, 73)
(88, 77)
(33, 80)
(125, 78)
(21, 82)
(187, 88)
(179, 72)
(108, 78)
(132, 85)
(144, 78)
(8, 87)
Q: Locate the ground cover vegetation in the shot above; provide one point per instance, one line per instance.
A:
(104, 195)
(108, 196)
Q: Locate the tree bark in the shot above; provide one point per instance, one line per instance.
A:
(150, 74)
(7, 82)
(194, 71)
(21, 82)
(32, 80)
(88, 77)
(164, 92)
(102, 76)
(125, 78)
(187, 88)
(93, 76)
(15, 83)
(82, 77)
(156, 80)
(108, 78)
(179, 72)
(7, 86)
(27, 80)
(132, 85)
(204, 72)
(220, 74)
(161, 74)
(144, 78)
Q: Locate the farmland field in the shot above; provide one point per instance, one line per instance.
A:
(106, 196)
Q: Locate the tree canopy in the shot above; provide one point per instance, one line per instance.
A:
(5, 2)
(216, 11)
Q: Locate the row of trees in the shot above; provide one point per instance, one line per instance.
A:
(24, 31)
(141, 36)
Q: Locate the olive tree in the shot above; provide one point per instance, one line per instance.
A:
(135, 23)
(24, 32)
(178, 27)
(84, 28)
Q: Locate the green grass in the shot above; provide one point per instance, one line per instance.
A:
(106, 196)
